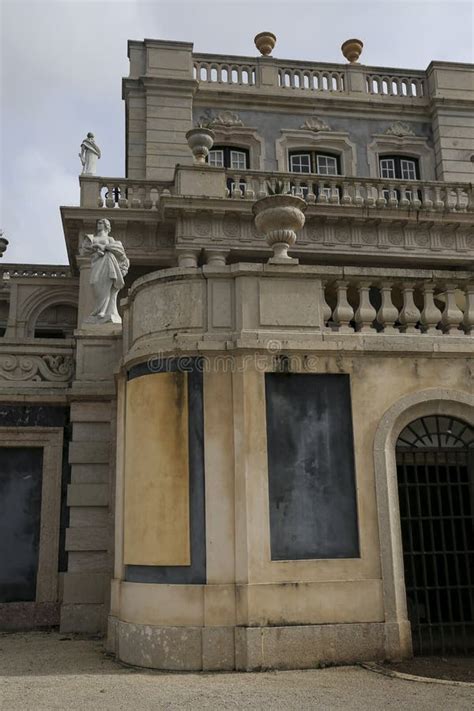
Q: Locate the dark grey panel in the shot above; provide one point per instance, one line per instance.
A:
(196, 572)
(20, 513)
(313, 509)
(14, 415)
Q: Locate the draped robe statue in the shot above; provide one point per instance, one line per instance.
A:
(89, 154)
(109, 265)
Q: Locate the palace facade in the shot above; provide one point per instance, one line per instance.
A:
(269, 462)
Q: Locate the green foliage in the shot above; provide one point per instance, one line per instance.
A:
(279, 189)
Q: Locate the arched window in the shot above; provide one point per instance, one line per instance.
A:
(56, 321)
(4, 309)
(435, 471)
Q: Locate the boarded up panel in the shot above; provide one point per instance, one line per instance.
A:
(313, 510)
(20, 512)
(156, 521)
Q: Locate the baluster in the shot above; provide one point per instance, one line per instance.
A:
(427, 201)
(468, 320)
(262, 188)
(249, 191)
(438, 201)
(431, 314)
(381, 201)
(470, 198)
(365, 314)
(325, 308)
(410, 313)
(415, 200)
(110, 199)
(310, 197)
(358, 199)
(297, 187)
(404, 201)
(100, 199)
(236, 191)
(334, 196)
(123, 202)
(460, 200)
(322, 196)
(133, 197)
(147, 201)
(387, 314)
(343, 313)
(346, 196)
(369, 195)
(392, 197)
(452, 314)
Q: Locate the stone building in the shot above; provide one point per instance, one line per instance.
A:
(268, 462)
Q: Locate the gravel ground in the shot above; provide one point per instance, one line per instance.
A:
(449, 668)
(42, 671)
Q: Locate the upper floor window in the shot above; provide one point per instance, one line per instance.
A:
(399, 168)
(229, 157)
(314, 162)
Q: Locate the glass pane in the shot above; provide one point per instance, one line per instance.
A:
(238, 160)
(326, 165)
(300, 163)
(387, 168)
(408, 169)
(216, 158)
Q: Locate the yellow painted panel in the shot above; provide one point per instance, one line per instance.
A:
(156, 516)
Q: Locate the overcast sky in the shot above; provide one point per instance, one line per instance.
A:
(62, 64)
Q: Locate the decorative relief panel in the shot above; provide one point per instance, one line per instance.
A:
(231, 228)
(49, 367)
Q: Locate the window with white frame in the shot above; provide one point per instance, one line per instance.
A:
(229, 157)
(314, 162)
(216, 158)
(399, 168)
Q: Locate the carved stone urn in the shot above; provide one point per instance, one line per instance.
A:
(279, 217)
(3, 244)
(265, 42)
(352, 49)
(200, 140)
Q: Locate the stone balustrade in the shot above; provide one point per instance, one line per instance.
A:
(408, 85)
(252, 305)
(223, 71)
(312, 79)
(375, 300)
(281, 74)
(36, 271)
(122, 193)
(355, 192)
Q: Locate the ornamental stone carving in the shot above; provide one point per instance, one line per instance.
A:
(223, 118)
(48, 367)
(315, 124)
(90, 153)
(109, 265)
(400, 129)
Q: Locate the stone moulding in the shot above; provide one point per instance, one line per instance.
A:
(49, 367)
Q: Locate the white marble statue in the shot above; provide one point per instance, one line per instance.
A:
(89, 154)
(109, 265)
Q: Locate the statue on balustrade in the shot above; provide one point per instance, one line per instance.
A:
(89, 154)
(109, 265)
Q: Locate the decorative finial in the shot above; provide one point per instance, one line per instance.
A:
(352, 49)
(265, 42)
(3, 244)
